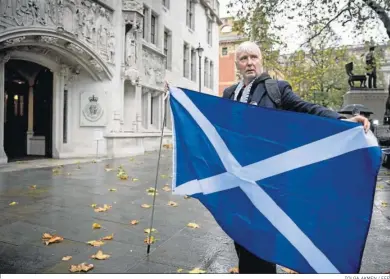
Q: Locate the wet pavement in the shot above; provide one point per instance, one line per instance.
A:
(61, 204)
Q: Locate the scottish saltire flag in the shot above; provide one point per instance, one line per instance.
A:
(294, 189)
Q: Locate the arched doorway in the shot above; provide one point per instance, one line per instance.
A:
(28, 110)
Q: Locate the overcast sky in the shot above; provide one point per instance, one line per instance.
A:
(294, 38)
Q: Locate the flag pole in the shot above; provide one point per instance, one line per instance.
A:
(155, 184)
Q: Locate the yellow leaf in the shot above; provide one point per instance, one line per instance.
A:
(134, 222)
(151, 190)
(93, 205)
(96, 243)
(108, 237)
(153, 194)
(166, 188)
(135, 179)
(112, 190)
(179, 270)
(148, 230)
(131, 159)
(146, 206)
(171, 203)
(33, 187)
(378, 186)
(46, 236)
(81, 267)
(164, 176)
(103, 209)
(96, 226)
(186, 197)
(13, 203)
(149, 240)
(384, 204)
(290, 271)
(193, 225)
(67, 258)
(100, 256)
(197, 271)
(234, 270)
(54, 239)
(93, 161)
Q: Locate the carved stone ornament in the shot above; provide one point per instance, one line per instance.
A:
(74, 48)
(154, 68)
(132, 75)
(97, 67)
(4, 57)
(11, 42)
(132, 5)
(92, 109)
(90, 22)
(49, 40)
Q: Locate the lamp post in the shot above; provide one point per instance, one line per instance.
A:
(200, 52)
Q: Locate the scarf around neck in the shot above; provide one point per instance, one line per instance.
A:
(247, 90)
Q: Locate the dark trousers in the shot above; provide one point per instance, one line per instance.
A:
(372, 79)
(251, 264)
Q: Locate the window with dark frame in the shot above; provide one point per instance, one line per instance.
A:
(209, 32)
(166, 36)
(153, 30)
(224, 51)
(193, 64)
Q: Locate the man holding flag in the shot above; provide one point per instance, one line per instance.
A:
(289, 188)
(249, 64)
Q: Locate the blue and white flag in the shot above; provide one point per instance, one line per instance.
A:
(292, 188)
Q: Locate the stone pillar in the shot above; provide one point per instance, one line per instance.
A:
(138, 107)
(3, 59)
(58, 93)
(373, 99)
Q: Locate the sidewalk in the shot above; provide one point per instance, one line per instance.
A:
(61, 204)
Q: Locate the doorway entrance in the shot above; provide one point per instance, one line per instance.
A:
(28, 110)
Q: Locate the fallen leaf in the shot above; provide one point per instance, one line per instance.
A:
(96, 243)
(103, 209)
(150, 240)
(81, 267)
(131, 159)
(135, 179)
(100, 256)
(33, 187)
(56, 171)
(151, 190)
(112, 190)
(234, 270)
(166, 188)
(108, 237)
(134, 222)
(197, 270)
(13, 203)
(380, 186)
(46, 236)
(69, 173)
(384, 204)
(93, 161)
(186, 197)
(164, 176)
(153, 194)
(107, 168)
(93, 205)
(67, 258)
(193, 225)
(96, 226)
(290, 271)
(172, 203)
(54, 239)
(148, 230)
(146, 206)
(179, 270)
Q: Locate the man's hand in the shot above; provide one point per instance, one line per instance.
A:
(360, 119)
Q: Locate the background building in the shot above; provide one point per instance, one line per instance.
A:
(77, 75)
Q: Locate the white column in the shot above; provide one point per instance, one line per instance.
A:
(58, 94)
(3, 157)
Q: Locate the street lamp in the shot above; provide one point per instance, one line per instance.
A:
(200, 52)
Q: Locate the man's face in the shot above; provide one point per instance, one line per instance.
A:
(249, 64)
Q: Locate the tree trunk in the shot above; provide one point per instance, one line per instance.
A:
(383, 16)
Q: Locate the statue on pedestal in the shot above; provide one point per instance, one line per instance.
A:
(371, 68)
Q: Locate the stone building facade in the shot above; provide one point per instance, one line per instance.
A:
(80, 77)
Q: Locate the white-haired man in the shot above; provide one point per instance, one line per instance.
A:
(257, 88)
